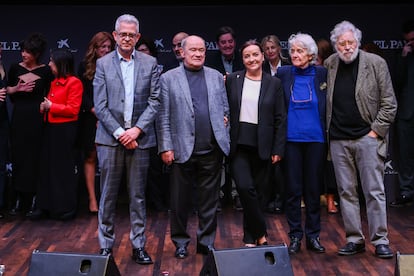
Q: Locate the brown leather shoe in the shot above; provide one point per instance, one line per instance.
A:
(330, 203)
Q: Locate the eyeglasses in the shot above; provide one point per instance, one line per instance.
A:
(305, 100)
(343, 43)
(125, 35)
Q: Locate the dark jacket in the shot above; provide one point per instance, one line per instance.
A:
(213, 60)
(271, 129)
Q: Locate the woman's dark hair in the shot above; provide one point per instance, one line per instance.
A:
(149, 43)
(35, 44)
(64, 61)
(249, 43)
(325, 49)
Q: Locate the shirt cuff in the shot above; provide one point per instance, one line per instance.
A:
(118, 132)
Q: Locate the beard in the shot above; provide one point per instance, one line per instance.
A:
(349, 58)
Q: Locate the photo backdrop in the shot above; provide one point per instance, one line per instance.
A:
(72, 26)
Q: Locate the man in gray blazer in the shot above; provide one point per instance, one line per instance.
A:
(126, 91)
(360, 108)
(193, 137)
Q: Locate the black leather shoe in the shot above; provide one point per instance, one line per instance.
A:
(15, 212)
(105, 251)
(383, 251)
(16, 209)
(278, 210)
(181, 252)
(279, 204)
(202, 249)
(29, 213)
(37, 214)
(64, 216)
(351, 248)
(140, 256)
(274, 207)
(294, 246)
(315, 245)
(1, 215)
(402, 201)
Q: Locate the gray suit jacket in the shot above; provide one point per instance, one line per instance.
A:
(176, 121)
(374, 94)
(109, 98)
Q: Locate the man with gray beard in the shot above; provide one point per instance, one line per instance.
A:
(361, 106)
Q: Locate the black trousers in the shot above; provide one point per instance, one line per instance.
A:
(203, 171)
(304, 164)
(250, 174)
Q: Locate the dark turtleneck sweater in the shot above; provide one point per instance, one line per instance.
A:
(347, 122)
(204, 139)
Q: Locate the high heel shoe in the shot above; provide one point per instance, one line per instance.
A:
(17, 208)
(32, 207)
(330, 203)
(262, 241)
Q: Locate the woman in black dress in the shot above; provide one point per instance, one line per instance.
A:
(28, 82)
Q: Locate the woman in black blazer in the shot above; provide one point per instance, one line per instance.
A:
(257, 133)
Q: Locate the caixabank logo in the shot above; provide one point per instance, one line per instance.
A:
(389, 168)
(64, 43)
(159, 44)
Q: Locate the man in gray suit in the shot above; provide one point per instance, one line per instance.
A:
(126, 91)
(193, 137)
(360, 107)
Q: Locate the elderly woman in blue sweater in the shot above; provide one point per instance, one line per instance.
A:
(304, 86)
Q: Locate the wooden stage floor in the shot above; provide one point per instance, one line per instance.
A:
(20, 236)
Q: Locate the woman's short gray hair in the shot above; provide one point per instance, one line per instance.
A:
(306, 41)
